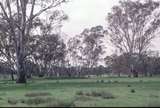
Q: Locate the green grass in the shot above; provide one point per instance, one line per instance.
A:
(63, 92)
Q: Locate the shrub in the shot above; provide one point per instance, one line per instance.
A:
(133, 91)
(107, 95)
(41, 75)
(22, 100)
(12, 101)
(128, 85)
(96, 94)
(115, 81)
(1, 98)
(37, 94)
(102, 81)
(97, 81)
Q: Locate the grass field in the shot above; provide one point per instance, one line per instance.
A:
(93, 92)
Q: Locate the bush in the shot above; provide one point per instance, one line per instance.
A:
(102, 81)
(37, 94)
(41, 75)
(96, 94)
(12, 101)
(107, 95)
(133, 91)
(97, 81)
(116, 82)
(128, 85)
(22, 101)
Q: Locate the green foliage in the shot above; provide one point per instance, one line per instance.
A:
(102, 81)
(1, 98)
(128, 85)
(133, 91)
(97, 81)
(116, 82)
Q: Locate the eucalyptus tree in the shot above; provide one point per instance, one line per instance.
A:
(50, 53)
(131, 27)
(93, 46)
(19, 15)
(7, 53)
(48, 49)
(74, 54)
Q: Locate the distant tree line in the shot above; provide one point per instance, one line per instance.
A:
(148, 67)
(31, 44)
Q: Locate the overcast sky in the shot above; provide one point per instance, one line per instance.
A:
(88, 13)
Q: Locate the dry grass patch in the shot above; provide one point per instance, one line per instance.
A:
(36, 101)
(46, 102)
(37, 94)
(102, 94)
(107, 95)
(12, 101)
